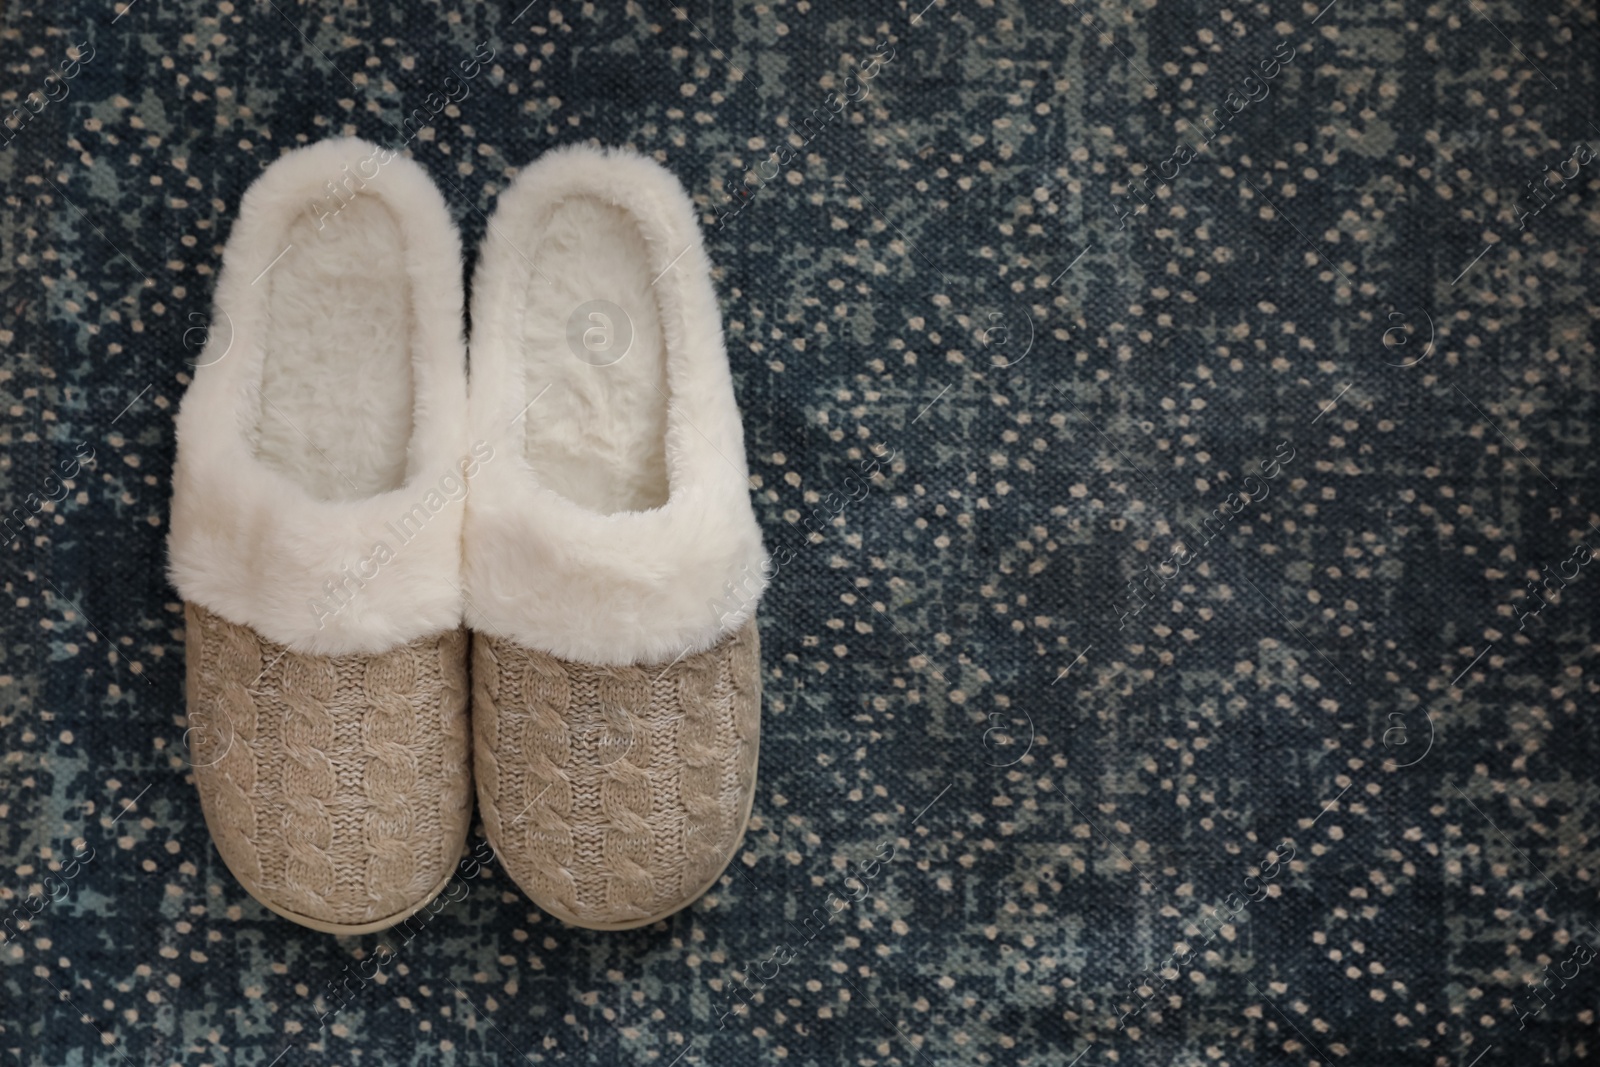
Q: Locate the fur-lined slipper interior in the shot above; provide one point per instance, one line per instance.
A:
(322, 448)
(620, 531)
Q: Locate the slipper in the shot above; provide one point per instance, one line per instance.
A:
(612, 559)
(316, 521)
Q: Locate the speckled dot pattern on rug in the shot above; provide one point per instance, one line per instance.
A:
(1172, 429)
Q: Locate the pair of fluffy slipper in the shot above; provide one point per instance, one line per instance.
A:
(346, 507)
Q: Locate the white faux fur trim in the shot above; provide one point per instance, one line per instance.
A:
(249, 539)
(620, 584)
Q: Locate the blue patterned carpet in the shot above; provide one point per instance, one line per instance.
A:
(1209, 677)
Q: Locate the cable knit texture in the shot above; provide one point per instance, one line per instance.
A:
(335, 787)
(616, 795)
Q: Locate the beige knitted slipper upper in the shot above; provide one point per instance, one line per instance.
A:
(616, 795)
(335, 787)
